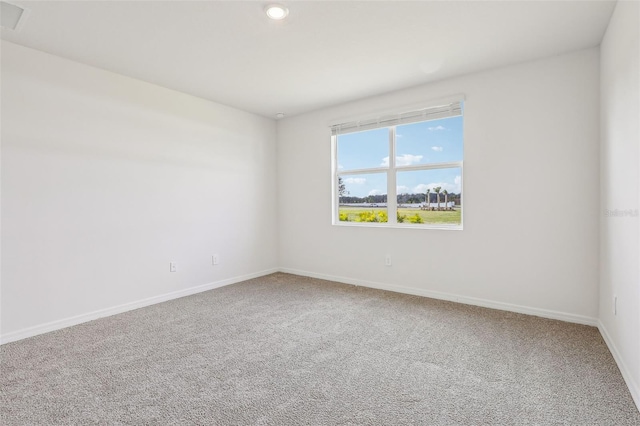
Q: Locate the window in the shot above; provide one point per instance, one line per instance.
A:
(402, 170)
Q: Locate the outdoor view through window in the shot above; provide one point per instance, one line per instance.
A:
(418, 164)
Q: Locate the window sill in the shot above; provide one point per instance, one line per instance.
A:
(399, 226)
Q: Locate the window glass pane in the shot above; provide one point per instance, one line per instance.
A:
(363, 150)
(363, 198)
(430, 196)
(436, 141)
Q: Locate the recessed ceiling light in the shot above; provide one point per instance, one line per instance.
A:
(10, 15)
(276, 11)
(280, 115)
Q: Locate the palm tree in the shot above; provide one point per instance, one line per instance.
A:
(446, 196)
(427, 199)
(437, 191)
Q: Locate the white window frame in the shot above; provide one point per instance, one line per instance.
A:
(435, 110)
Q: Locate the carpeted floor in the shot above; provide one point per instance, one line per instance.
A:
(289, 350)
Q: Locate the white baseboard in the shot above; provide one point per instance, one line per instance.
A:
(90, 316)
(633, 386)
(544, 313)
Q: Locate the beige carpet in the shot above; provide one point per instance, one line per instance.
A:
(288, 350)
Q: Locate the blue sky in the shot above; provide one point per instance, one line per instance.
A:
(435, 141)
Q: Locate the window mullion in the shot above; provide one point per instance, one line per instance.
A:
(392, 197)
(362, 171)
(430, 166)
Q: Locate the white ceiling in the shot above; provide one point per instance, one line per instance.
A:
(323, 54)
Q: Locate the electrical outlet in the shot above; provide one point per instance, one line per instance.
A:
(387, 260)
(215, 259)
(615, 305)
(173, 267)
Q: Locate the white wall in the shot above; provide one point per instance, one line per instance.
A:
(620, 189)
(106, 179)
(531, 135)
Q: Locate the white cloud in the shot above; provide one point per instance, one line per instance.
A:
(401, 189)
(340, 166)
(375, 192)
(356, 181)
(437, 148)
(402, 160)
(420, 189)
(398, 135)
(407, 159)
(431, 129)
(453, 188)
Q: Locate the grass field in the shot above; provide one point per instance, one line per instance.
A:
(448, 217)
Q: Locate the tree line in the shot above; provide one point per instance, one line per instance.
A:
(435, 195)
(403, 198)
